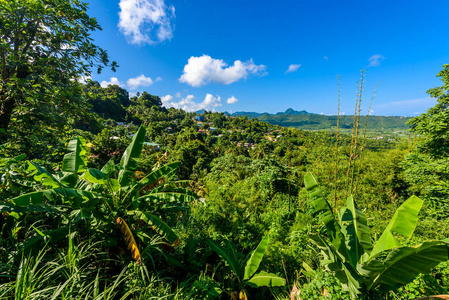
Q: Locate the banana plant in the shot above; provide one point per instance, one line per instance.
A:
(107, 196)
(363, 267)
(246, 271)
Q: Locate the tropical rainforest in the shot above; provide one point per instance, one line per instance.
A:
(107, 196)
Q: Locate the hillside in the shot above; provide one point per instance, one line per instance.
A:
(310, 121)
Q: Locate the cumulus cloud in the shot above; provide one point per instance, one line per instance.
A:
(232, 100)
(292, 68)
(146, 21)
(187, 103)
(140, 81)
(84, 79)
(131, 83)
(166, 100)
(375, 60)
(112, 81)
(205, 69)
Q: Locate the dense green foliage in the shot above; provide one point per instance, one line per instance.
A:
(132, 200)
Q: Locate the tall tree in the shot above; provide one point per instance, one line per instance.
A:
(45, 47)
(425, 169)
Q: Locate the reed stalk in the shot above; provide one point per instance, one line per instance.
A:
(355, 132)
(364, 133)
(336, 145)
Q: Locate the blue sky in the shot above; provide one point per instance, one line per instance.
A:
(267, 56)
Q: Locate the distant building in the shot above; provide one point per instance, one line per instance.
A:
(153, 146)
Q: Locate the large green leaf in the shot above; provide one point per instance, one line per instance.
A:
(342, 269)
(181, 196)
(152, 178)
(164, 171)
(41, 175)
(324, 210)
(229, 254)
(403, 222)
(265, 279)
(95, 176)
(34, 198)
(403, 264)
(52, 236)
(356, 231)
(160, 226)
(256, 257)
(75, 161)
(9, 207)
(128, 163)
(108, 168)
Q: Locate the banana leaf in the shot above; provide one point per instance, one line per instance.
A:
(160, 226)
(41, 175)
(256, 257)
(403, 222)
(356, 231)
(182, 196)
(130, 241)
(108, 168)
(97, 177)
(33, 198)
(403, 264)
(75, 161)
(52, 236)
(9, 207)
(165, 171)
(326, 214)
(265, 279)
(228, 254)
(128, 163)
(335, 262)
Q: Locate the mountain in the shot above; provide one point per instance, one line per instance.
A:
(251, 115)
(291, 111)
(310, 121)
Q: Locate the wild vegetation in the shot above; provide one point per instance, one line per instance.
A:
(117, 197)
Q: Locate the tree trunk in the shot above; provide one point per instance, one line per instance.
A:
(7, 105)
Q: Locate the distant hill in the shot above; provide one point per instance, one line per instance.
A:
(251, 115)
(291, 111)
(310, 121)
(322, 122)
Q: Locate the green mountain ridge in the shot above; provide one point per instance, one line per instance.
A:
(311, 121)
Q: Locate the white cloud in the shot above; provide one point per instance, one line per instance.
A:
(84, 79)
(112, 81)
(146, 21)
(205, 69)
(166, 100)
(292, 68)
(232, 100)
(136, 82)
(375, 60)
(178, 95)
(187, 103)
